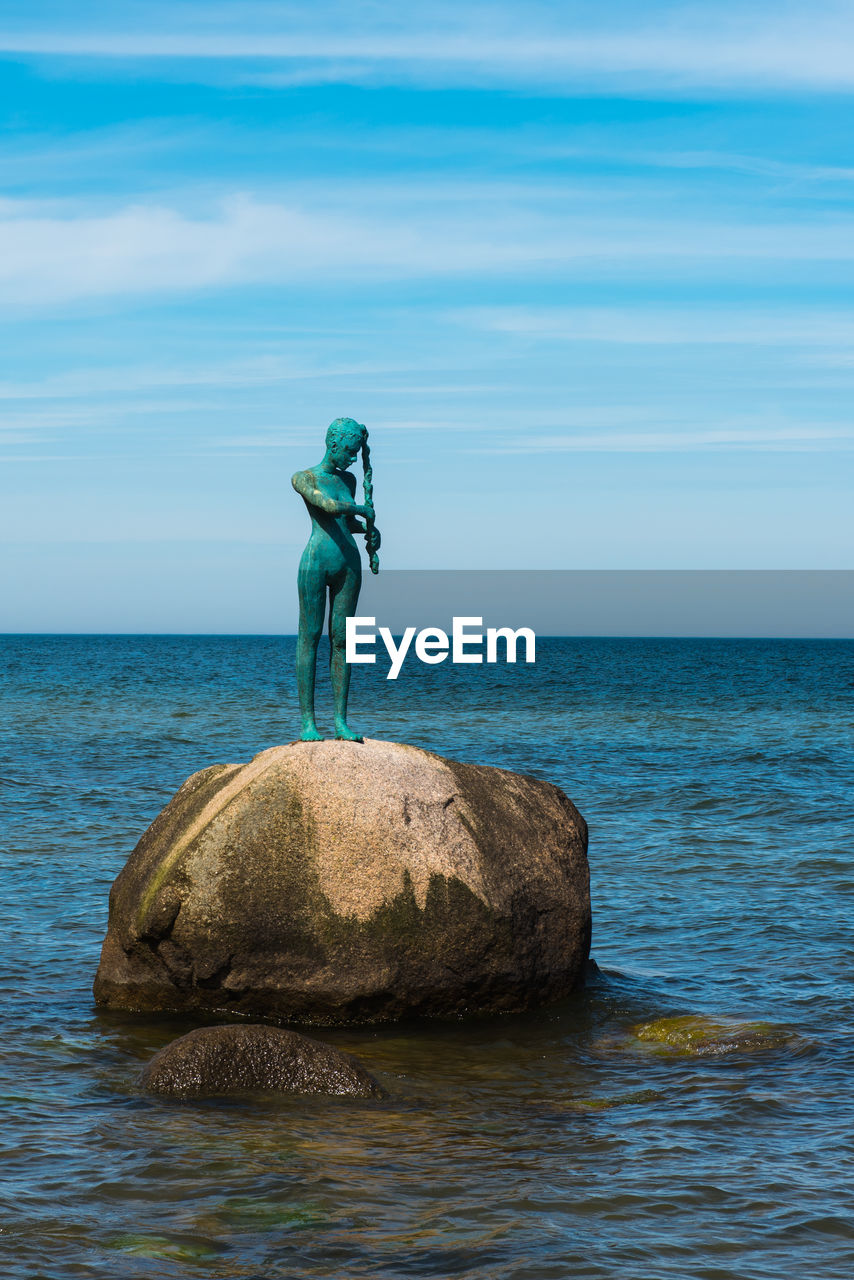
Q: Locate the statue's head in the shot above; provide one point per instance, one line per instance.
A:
(344, 439)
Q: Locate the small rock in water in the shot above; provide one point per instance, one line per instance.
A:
(240, 1058)
(691, 1035)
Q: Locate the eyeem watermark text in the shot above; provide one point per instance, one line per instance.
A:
(432, 645)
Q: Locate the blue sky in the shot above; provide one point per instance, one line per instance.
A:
(584, 270)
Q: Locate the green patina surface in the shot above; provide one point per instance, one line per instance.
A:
(331, 566)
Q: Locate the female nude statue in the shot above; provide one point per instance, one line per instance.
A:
(331, 561)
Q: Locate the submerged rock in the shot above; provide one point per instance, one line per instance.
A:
(691, 1035)
(174, 1248)
(238, 1058)
(336, 882)
(638, 1098)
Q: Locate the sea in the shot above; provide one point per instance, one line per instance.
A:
(717, 779)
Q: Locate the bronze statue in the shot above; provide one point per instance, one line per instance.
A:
(331, 562)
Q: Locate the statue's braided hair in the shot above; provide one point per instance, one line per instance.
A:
(339, 430)
(368, 476)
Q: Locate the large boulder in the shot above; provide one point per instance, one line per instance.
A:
(237, 1058)
(335, 882)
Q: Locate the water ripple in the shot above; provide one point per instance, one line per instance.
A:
(716, 778)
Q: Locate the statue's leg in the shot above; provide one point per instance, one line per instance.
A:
(343, 598)
(311, 583)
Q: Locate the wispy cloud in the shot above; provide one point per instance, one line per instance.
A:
(53, 257)
(794, 438)
(599, 163)
(94, 418)
(722, 47)
(655, 325)
(783, 171)
(129, 380)
(153, 248)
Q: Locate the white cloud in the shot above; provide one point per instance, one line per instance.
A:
(53, 256)
(150, 248)
(567, 47)
(781, 171)
(131, 379)
(794, 438)
(655, 325)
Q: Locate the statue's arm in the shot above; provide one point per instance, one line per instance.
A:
(352, 522)
(306, 487)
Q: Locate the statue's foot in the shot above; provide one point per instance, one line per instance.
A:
(345, 733)
(310, 734)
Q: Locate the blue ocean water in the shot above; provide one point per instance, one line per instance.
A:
(717, 780)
